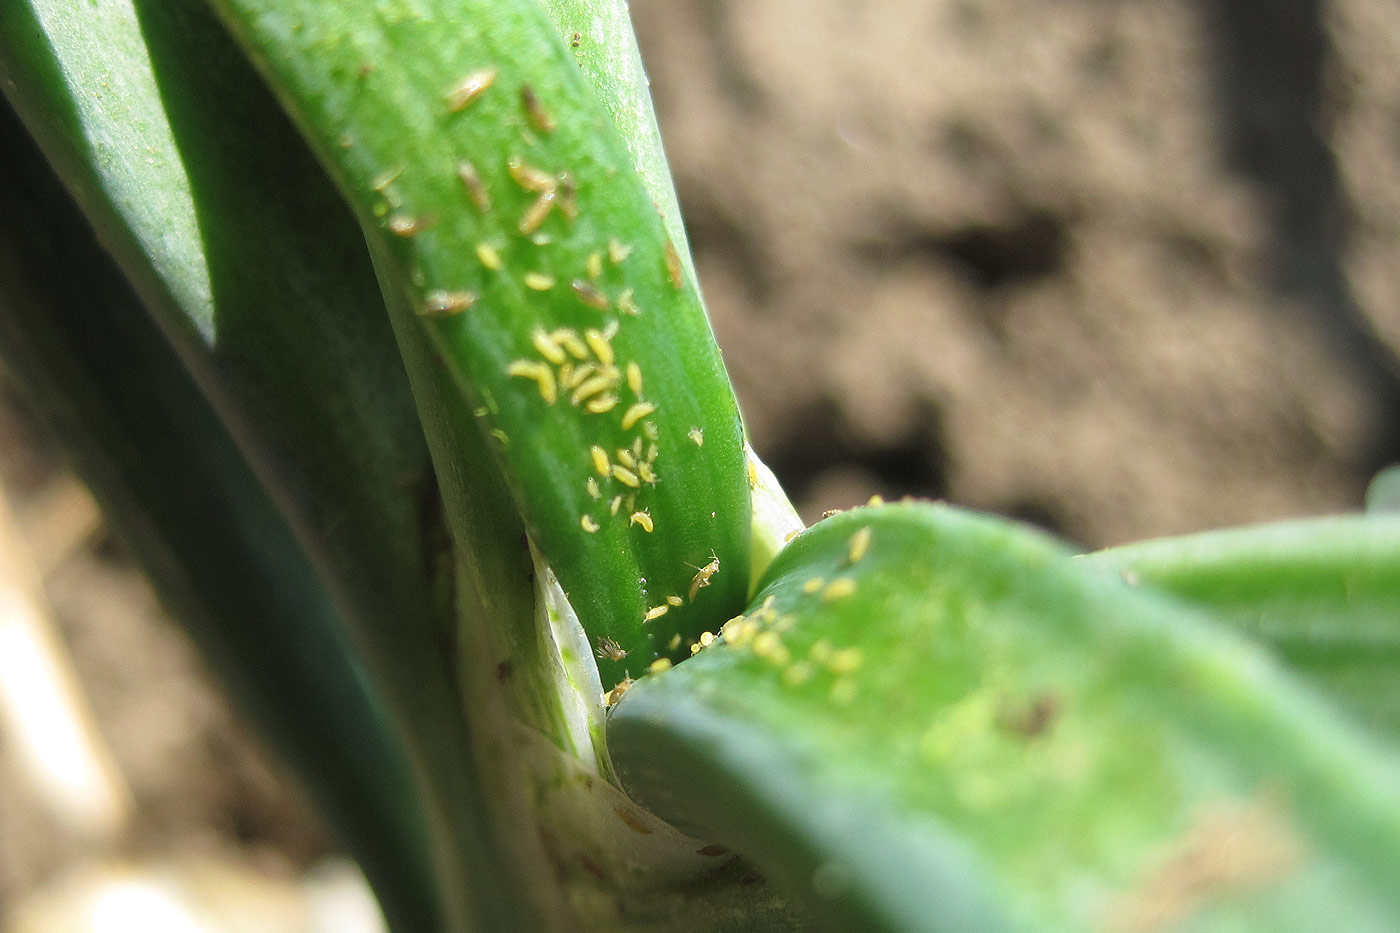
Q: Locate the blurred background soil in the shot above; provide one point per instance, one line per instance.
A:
(1114, 266)
(1118, 267)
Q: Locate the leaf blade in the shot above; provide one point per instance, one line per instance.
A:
(1322, 593)
(1020, 728)
(373, 91)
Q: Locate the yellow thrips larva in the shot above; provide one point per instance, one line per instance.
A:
(634, 378)
(404, 225)
(652, 451)
(635, 413)
(610, 330)
(600, 460)
(674, 643)
(697, 436)
(650, 430)
(567, 338)
(549, 349)
(447, 302)
(568, 195)
(616, 693)
(591, 387)
(615, 505)
(656, 612)
(529, 177)
(471, 179)
(489, 256)
(625, 476)
(624, 457)
(536, 213)
(797, 674)
(753, 475)
(845, 661)
(385, 179)
(593, 489)
(600, 346)
(703, 575)
(707, 639)
(675, 601)
(769, 647)
(587, 523)
(642, 518)
(645, 473)
(627, 304)
(659, 666)
(595, 265)
(540, 373)
(617, 251)
(860, 543)
(876, 499)
(837, 589)
(812, 585)
(609, 649)
(538, 281)
(673, 265)
(602, 404)
(589, 294)
(461, 94)
(501, 436)
(539, 118)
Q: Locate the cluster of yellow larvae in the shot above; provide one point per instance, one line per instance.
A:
(581, 367)
(577, 366)
(762, 631)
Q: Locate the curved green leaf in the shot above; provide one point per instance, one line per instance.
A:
(932, 720)
(173, 486)
(1323, 593)
(504, 202)
(257, 274)
(599, 36)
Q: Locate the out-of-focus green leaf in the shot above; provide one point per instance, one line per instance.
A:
(1323, 593)
(931, 720)
(173, 485)
(256, 272)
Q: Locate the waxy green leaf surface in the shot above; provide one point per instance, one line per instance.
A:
(933, 720)
(174, 488)
(1324, 594)
(252, 268)
(503, 198)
